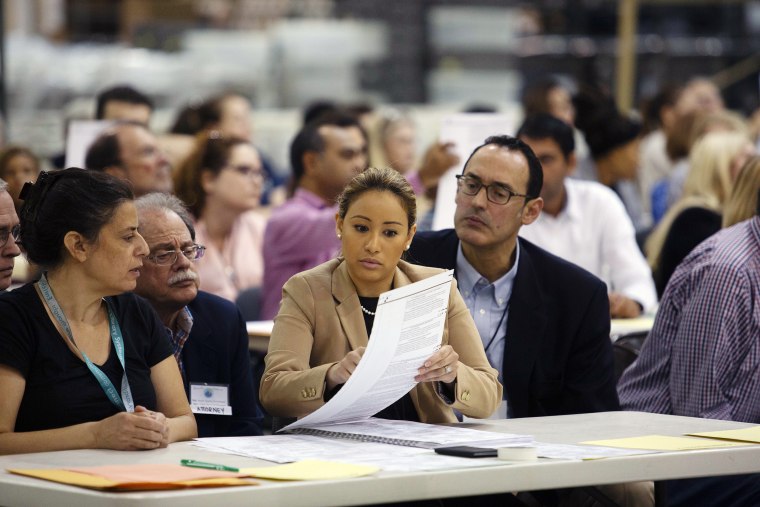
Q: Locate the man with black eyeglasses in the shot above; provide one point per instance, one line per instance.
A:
(544, 322)
(9, 250)
(207, 333)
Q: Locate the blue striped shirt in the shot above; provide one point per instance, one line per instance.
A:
(702, 357)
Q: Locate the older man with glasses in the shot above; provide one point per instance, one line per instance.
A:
(9, 233)
(207, 333)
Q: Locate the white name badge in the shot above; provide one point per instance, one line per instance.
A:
(210, 399)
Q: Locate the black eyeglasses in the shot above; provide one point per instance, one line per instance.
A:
(6, 234)
(247, 170)
(169, 257)
(497, 193)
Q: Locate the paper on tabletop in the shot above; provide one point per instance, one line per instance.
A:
(153, 473)
(310, 470)
(407, 330)
(137, 477)
(663, 443)
(751, 435)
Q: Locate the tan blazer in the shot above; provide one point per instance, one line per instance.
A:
(320, 321)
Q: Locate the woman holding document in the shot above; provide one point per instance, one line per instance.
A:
(83, 362)
(327, 313)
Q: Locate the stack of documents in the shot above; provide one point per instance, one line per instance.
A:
(390, 445)
(407, 330)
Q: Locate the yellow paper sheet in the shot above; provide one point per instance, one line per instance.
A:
(663, 443)
(310, 470)
(86, 480)
(751, 435)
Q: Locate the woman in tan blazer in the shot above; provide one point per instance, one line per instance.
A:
(326, 316)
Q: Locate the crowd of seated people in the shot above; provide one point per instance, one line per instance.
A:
(542, 261)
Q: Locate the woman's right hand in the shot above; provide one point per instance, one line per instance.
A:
(339, 372)
(131, 431)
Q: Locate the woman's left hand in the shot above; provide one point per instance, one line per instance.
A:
(440, 367)
(158, 416)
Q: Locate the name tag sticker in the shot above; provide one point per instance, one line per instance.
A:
(210, 399)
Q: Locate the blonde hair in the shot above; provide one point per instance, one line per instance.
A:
(708, 183)
(742, 204)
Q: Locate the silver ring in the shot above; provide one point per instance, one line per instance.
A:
(447, 369)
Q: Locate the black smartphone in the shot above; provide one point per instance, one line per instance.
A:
(466, 451)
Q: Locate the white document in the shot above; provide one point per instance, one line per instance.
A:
(407, 330)
(584, 452)
(291, 448)
(81, 135)
(416, 434)
(467, 131)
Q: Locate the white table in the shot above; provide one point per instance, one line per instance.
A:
(259, 332)
(392, 487)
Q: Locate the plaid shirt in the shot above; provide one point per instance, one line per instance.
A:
(702, 358)
(178, 337)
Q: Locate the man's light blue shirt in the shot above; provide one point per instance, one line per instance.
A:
(489, 306)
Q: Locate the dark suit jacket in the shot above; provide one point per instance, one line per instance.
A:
(216, 352)
(558, 355)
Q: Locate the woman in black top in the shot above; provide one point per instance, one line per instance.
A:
(83, 365)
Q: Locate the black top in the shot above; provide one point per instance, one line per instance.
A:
(403, 408)
(691, 227)
(60, 389)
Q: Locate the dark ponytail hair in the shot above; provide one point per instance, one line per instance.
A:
(68, 200)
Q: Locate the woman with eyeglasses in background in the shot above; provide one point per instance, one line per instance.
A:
(221, 184)
(83, 362)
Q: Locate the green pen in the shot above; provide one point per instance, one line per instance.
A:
(208, 466)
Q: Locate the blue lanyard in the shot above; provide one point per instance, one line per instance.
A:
(123, 402)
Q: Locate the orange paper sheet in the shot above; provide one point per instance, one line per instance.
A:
(138, 477)
(153, 473)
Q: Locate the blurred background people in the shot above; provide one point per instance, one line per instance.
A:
(695, 125)
(714, 163)
(18, 165)
(9, 234)
(584, 222)
(743, 201)
(325, 155)
(129, 150)
(614, 143)
(221, 184)
(230, 114)
(658, 119)
(549, 96)
(123, 103)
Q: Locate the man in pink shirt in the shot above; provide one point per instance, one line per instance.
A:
(300, 234)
